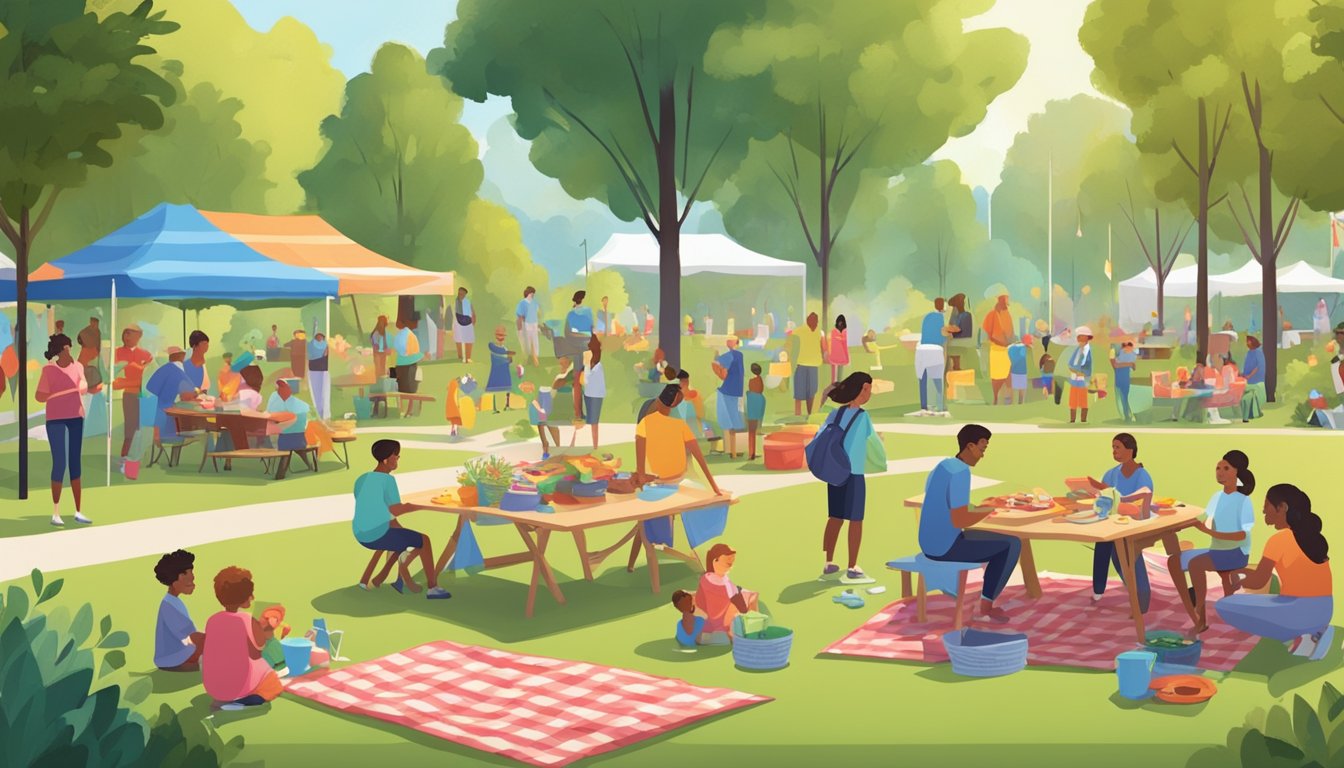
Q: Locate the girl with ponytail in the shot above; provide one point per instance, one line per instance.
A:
(1232, 517)
(1299, 615)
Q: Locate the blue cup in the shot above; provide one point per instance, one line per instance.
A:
(299, 655)
(321, 638)
(1134, 671)
(1103, 506)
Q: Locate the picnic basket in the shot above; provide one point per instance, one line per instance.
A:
(766, 648)
(985, 654)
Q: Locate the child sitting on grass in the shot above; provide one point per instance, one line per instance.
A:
(690, 627)
(232, 667)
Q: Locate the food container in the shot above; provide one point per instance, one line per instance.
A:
(1173, 648)
(786, 450)
(579, 490)
(518, 500)
(759, 646)
(985, 654)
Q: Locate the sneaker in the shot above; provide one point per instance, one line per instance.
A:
(1304, 646)
(830, 570)
(232, 706)
(1096, 597)
(400, 586)
(80, 518)
(855, 573)
(57, 521)
(545, 456)
(437, 593)
(996, 615)
(1325, 642)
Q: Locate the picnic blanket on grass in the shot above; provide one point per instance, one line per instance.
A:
(1064, 628)
(533, 709)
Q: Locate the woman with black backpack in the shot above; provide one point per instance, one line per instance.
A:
(851, 428)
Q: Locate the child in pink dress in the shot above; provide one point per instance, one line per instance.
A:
(839, 348)
(232, 668)
(719, 599)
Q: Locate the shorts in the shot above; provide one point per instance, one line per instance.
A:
(464, 334)
(537, 418)
(1077, 397)
(929, 360)
(592, 409)
(730, 413)
(1019, 380)
(846, 502)
(395, 540)
(805, 382)
(755, 406)
(1223, 559)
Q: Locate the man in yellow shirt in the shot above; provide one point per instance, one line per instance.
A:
(662, 442)
(809, 357)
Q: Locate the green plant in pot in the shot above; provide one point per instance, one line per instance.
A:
(491, 475)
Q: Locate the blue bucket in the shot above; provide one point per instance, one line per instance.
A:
(298, 655)
(1134, 670)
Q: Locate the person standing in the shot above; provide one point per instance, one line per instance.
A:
(500, 382)
(273, 341)
(594, 386)
(464, 326)
(168, 384)
(578, 325)
(930, 358)
(809, 357)
(755, 408)
(839, 353)
(998, 328)
(194, 366)
(1185, 329)
(1019, 354)
(1320, 320)
(648, 321)
(732, 370)
(298, 355)
(379, 343)
(132, 361)
(90, 347)
(528, 325)
(604, 318)
(962, 342)
(407, 347)
(319, 382)
(1080, 373)
(61, 388)
(1124, 364)
(946, 517)
(846, 502)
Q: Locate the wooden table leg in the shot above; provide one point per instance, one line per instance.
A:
(1027, 562)
(635, 548)
(1126, 552)
(540, 568)
(581, 541)
(651, 555)
(450, 548)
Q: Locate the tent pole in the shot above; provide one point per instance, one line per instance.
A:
(326, 394)
(184, 326)
(111, 363)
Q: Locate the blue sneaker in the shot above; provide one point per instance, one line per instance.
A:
(437, 593)
(400, 586)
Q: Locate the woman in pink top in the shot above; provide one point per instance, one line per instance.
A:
(61, 389)
(839, 348)
(719, 599)
(232, 669)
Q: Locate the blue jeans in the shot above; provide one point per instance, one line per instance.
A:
(997, 551)
(66, 437)
(924, 394)
(1122, 390)
(1102, 558)
(1276, 616)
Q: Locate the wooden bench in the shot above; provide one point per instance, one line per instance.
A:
(412, 401)
(264, 455)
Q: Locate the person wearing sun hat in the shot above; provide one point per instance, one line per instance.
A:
(1080, 373)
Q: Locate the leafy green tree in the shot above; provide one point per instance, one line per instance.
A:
(615, 100)
(71, 81)
(929, 231)
(857, 88)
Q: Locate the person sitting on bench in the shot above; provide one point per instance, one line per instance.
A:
(292, 413)
(946, 515)
(377, 506)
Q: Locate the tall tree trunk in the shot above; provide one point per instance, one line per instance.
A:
(1269, 255)
(823, 234)
(669, 228)
(1159, 272)
(405, 308)
(1269, 285)
(1161, 302)
(21, 286)
(1202, 256)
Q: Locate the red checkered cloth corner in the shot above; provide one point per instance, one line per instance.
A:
(532, 709)
(1064, 628)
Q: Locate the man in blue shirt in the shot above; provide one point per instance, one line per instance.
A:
(177, 644)
(946, 515)
(930, 357)
(1253, 367)
(377, 505)
(729, 367)
(1124, 364)
(168, 384)
(528, 327)
(291, 437)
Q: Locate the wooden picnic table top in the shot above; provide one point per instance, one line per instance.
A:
(572, 517)
(1108, 530)
(202, 413)
(403, 395)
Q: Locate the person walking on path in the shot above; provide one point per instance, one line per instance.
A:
(594, 386)
(500, 382)
(528, 326)
(810, 355)
(962, 342)
(407, 347)
(61, 388)
(864, 448)
(379, 343)
(90, 348)
(129, 378)
(464, 326)
(930, 358)
(730, 368)
(998, 328)
(839, 348)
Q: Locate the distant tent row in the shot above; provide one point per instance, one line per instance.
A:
(1138, 295)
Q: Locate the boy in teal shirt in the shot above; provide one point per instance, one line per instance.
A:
(377, 505)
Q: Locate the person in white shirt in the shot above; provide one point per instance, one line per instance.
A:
(594, 385)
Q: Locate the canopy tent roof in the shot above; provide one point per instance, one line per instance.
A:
(1242, 281)
(173, 252)
(309, 241)
(1302, 277)
(699, 253)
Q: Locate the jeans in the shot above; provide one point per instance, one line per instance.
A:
(1102, 558)
(406, 378)
(319, 384)
(997, 551)
(1276, 616)
(66, 437)
(924, 393)
(1122, 390)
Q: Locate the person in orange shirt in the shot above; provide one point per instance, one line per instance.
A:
(131, 382)
(998, 327)
(1300, 614)
(663, 441)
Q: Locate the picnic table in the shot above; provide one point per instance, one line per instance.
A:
(1130, 539)
(1180, 399)
(238, 426)
(412, 401)
(536, 528)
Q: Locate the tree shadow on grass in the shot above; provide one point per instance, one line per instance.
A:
(669, 650)
(805, 590)
(170, 682)
(1283, 672)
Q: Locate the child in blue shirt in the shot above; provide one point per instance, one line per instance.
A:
(1124, 364)
(1018, 353)
(690, 626)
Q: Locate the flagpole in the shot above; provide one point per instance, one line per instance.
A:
(1050, 243)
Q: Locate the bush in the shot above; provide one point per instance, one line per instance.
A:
(1301, 738)
(61, 699)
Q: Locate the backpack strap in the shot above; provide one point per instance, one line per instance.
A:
(845, 433)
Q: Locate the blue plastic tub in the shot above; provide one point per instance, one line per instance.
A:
(1187, 656)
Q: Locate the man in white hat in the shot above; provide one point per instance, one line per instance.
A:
(170, 384)
(1080, 373)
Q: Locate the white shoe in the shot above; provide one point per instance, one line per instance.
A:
(57, 521)
(80, 518)
(1304, 646)
(1096, 597)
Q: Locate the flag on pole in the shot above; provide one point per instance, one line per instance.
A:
(1334, 229)
(1108, 269)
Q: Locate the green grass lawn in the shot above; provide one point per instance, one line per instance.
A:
(826, 710)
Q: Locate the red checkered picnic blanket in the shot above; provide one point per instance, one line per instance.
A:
(533, 709)
(1064, 628)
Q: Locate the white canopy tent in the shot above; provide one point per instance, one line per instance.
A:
(1302, 277)
(717, 254)
(1242, 281)
(1138, 294)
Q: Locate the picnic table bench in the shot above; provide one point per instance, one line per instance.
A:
(264, 455)
(411, 400)
(1130, 539)
(535, 529)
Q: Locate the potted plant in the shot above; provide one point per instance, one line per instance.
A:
(466, 490)
(491, 475)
